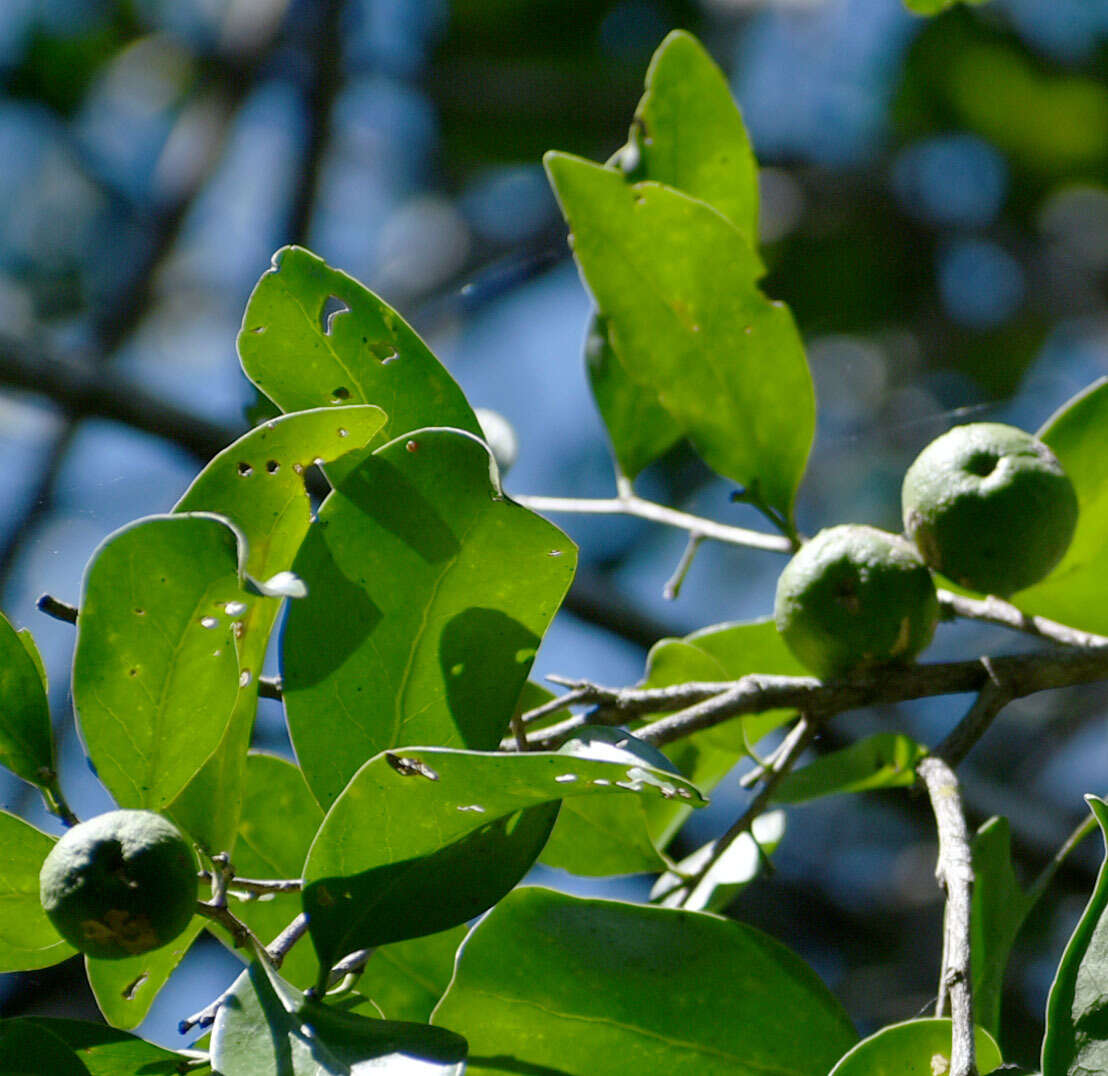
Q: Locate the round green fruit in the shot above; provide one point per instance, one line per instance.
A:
(989, 507)
(855, 598)
(120, 884)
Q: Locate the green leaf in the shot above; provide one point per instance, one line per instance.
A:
(1076, 1040)
(908, 1049)
(125, 989)
(29, 644)
(721, 652)
(406, 979)
(155, 672)
(28, 1048)
(884, 760)
(552, 984)
(26, 736)
(279, 820)
(428, 593)
(999, 909)
(934, 7)
(639, 427)
(606, 835)
(688, 133)
(28, 939)
(105, 1051)
(1071, 593)
(303, 349)
(739, 865)
(676, 283)
(258, 484)
(427, 838)
(268, 1028)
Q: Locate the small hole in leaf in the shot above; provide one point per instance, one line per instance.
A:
(412, 446)
(132, 672)
(383, 351)
(209, 622)
(244, 678)
(341, 393)
(298, 468)
(333, 306)
(272, 467)
(343, 433)
(140, 612)
(259, 330)
(245, 470)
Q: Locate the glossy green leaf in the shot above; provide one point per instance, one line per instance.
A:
(739, 865)
(552, 984)
(28, 939)
(428, 594)
(155, 672)
(406, 979)
(105, 1051)
(427, 838)
(258, 484)
(268, 1028)
(279, 820)
(26, 737)
(28, 640)
(125, 989)
(28, 1049)
(912, 1049)
(1072, 593)
(607, 835)
(884, 760)
(676, 283)
(639, 427)
(721, 652)
(1076, 1041)
(313, 336)
(999, 909)
(688, 133)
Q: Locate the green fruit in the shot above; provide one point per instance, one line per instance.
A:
(120, 884)
(990, 507)
(855, 598)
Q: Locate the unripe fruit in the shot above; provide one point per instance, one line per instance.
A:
(855, 598)
(120, 884)
(989, 507)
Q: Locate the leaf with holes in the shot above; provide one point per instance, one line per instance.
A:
(313, 336)
(268, 1028)
(155, 672)
(428, 593)
(28, 939)
(658, 990)
(425, 838)
(125, 989)
(1073, 592)
(258, 484)
(26, 736)
(677, 285)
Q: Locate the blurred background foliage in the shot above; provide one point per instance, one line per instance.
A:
(935, 211)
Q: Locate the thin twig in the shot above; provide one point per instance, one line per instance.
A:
(259, 886)
(792, 747)
(994, 610)
(279, 948)
(562, 702)
(992, 698)
(714, 703)
(955, 874)
(633, 505)
(673, 584)
(56, 608)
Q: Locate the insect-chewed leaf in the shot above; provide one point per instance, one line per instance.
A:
(156, 672)
(313, 336)
(425, 838)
